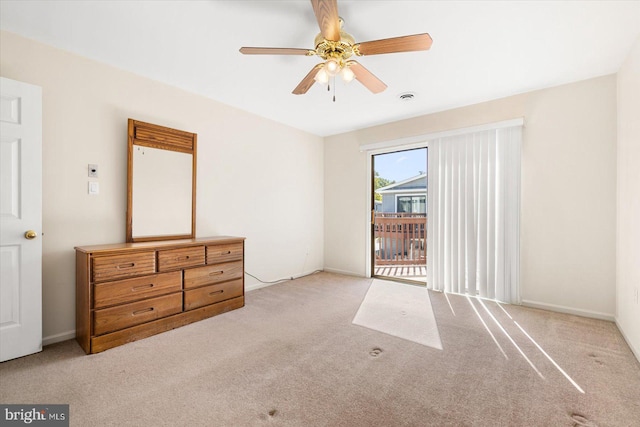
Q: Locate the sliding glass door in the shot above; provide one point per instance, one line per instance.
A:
(399, 215)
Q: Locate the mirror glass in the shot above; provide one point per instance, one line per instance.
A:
(161, 192)
(161, 183)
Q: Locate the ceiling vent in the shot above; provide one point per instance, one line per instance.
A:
(408, 96)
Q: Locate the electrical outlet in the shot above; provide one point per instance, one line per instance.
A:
(93, 171)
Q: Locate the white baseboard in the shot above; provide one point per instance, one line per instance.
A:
(346, 273)
(64, 336)
(635, 351)
(569, 310)
(258, 285)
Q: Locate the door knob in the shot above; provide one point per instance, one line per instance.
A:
(30, 235)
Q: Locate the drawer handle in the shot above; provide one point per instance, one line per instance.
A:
(140, 287)
(216, 273)
(145, 310)
(128, 265)
(227, 253)
(216, 292)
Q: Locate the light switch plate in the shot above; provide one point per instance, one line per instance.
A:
(94, 187)
(93, 171)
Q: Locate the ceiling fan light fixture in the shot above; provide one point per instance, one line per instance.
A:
(347, 75)
(322, 76)
(332, 66)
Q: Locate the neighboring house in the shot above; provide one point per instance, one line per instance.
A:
(397, 241)
(408, 196)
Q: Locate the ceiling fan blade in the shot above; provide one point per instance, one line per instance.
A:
(326, 12)
(307, 82)
(273, 51)
(366, 77)
(396, 44)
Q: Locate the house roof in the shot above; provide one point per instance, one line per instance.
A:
(397, 186)
(482, 50)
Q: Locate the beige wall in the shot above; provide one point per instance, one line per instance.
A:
(568, 191)
(256, 178)
(628, 265)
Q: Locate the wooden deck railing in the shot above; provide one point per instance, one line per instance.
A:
(400, 238)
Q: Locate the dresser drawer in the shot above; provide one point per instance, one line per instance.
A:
(135, 313)
(224, 253)
(122, 266)
(175, 259)
(211, 294)
(212, 274)
(128, 290)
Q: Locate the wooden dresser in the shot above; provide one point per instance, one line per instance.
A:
(129, 291)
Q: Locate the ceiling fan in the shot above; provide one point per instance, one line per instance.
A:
(336, 46)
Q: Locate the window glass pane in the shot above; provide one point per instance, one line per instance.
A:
(412, 204)
(404, 204)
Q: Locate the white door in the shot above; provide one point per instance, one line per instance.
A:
(20, 219)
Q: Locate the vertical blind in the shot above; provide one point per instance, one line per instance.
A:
(474, 213)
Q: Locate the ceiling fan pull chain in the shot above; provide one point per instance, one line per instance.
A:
(334, 89)
(333, 80)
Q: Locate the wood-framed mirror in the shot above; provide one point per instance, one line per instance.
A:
(161, 183)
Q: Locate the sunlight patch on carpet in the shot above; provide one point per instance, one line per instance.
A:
(401, 310)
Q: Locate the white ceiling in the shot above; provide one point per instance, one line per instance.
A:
(481, 50)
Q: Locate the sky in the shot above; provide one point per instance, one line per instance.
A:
(401, 165)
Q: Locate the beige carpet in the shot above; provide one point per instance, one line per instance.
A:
(292, 357)
(401, 310)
